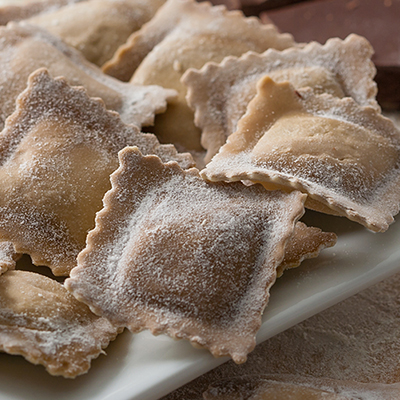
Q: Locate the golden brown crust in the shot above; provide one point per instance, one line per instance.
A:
(42, 321)
(176, 255)
(345, 157)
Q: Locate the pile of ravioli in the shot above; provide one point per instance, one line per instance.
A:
(184, 229)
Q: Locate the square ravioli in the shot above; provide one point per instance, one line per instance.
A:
(97, 28)
(177, 255)
(22, 10)
(220, 93)
(25, 48)
(343, 156)
(212, 28)
(186, 34)
(56, 154)
(41, 321)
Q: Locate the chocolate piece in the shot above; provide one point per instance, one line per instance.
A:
(378, 21)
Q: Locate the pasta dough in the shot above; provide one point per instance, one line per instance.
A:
(220, 93)
(8, 257)
(306, 242)
(16, 12)
(42, 321)
(56, 154)
(345, 157)
(176, 255)
(25, 48)
(97, 28)
(186, 34)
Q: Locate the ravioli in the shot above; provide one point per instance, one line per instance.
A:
(186, 34)
(56, 154)
(220, 93)
(345, 157)
(41, 321)
(97, 28)
(27, 9)
(208, 25)
(25, 48)
(176, 255)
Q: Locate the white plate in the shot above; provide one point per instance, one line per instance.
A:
(146, 367)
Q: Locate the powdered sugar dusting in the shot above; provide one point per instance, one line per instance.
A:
(176, 255)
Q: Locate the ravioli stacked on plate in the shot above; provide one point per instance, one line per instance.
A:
(145, 239)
